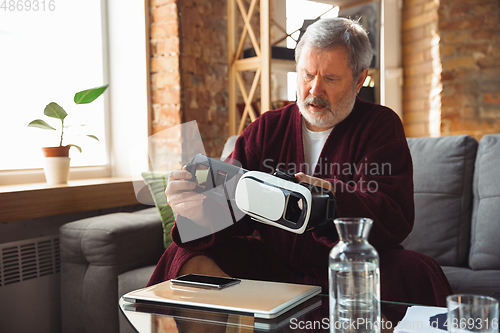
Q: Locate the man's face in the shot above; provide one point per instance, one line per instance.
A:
(326, 87)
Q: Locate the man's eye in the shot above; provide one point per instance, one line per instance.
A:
(309, 76)
(330, 79)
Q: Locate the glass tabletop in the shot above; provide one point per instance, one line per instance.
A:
(310, 316)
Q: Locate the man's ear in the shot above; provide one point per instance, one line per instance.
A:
(361, 79)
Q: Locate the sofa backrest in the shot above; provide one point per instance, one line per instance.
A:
(442, 175)
(485, 229)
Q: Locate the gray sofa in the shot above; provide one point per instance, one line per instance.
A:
(457, 202)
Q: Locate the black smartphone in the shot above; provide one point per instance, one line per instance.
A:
(204, 281)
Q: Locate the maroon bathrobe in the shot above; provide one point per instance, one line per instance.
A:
(366, 158)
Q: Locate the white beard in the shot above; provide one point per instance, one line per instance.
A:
(334, 115)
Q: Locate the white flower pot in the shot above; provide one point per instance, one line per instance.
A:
(56, 170)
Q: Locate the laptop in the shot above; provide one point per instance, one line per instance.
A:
(260, 299)
(219, 318)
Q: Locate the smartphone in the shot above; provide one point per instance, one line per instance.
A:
(204, 281)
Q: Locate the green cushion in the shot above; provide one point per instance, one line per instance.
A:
(157, 183)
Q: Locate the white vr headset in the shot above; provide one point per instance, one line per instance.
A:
(277, 200)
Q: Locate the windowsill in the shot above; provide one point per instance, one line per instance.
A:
(29, 201)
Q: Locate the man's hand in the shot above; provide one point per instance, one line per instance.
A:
(302, 177)
(181, 197)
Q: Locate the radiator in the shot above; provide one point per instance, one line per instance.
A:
(29, 286)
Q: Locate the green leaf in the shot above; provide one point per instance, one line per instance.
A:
(93, 137)
(53, 110)
(89, 95)
(77, 147)
(41, 124)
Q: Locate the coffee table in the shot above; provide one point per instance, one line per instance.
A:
(311, 316)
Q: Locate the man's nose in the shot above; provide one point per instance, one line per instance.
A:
(316, 87)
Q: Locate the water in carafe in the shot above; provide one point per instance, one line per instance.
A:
(354, 279)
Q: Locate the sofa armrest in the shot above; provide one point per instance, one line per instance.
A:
(117, 239)
(94, 251)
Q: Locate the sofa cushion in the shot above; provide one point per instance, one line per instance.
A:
(442, 176)
(464, 280)
(485, 229)
(157, 183)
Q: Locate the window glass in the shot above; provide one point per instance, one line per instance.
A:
(47, 55)
(299, 10)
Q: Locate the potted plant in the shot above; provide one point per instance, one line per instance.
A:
(56, 164)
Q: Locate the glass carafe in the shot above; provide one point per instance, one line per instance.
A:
(354, 278)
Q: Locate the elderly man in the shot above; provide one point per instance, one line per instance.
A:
(330, 138)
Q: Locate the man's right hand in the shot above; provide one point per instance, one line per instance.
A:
(181, 197)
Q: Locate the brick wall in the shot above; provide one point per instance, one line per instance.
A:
(421, 89)
(204, 69)
(470, 56)
(165, 84)
(451, 60)
(188, 75)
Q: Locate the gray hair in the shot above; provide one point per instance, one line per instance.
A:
(330, 33)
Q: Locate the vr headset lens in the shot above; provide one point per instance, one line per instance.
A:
(293, 208)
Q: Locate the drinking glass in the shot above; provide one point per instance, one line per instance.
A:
(472, 313)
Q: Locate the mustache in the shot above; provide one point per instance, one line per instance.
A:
(317, 100)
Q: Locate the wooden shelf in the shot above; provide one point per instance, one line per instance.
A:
(260, 63)
(21, 202)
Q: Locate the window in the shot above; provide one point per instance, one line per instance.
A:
(47, 55)
(117, 31)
